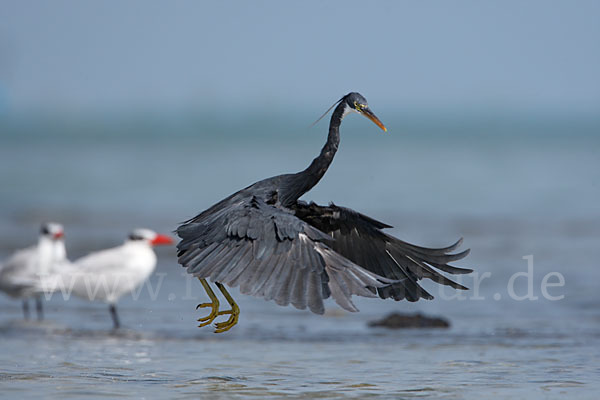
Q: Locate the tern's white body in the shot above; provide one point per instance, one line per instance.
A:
(20, 275)
(108, 274)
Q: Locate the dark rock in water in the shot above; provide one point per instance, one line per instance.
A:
(404, 321)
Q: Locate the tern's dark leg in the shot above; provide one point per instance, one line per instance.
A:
(214, 305)
(113, 312)
(233, 313)
(25, 309)
(39, 309)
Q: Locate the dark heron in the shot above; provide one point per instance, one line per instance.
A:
(272, 245)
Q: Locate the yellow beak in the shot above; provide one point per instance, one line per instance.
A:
(369, 114)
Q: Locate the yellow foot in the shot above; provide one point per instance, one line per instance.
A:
(214, 305)
(213, 313)
(233, 313)
(231, 321)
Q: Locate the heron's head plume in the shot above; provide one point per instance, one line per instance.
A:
(355, 102)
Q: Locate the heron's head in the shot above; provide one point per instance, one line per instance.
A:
(52, 230)
(355, 102)
(149, 236)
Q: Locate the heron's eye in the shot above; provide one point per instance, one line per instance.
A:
(358, 106)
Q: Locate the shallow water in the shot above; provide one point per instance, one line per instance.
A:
(275, 352)
(509, 198)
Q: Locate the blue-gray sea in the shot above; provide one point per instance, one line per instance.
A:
(523, 191)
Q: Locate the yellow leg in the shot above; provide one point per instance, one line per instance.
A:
(233, 313)
(214, 305)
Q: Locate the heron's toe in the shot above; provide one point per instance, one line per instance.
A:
(210, 317)
(231, 321)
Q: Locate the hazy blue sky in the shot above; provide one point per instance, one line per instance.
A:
(87, 56)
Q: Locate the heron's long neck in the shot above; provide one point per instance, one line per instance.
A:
(303, 181)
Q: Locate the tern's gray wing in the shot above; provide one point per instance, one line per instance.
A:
(361, 240)
(271, 253)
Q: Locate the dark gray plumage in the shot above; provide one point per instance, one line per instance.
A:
(271, 245)
(361, 240)
(269, 252)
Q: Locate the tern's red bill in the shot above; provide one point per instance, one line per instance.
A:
(161, 240)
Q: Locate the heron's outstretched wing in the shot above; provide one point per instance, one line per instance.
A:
(271, 253)
(361, 240)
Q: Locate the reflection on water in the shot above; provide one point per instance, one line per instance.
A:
(508, 200)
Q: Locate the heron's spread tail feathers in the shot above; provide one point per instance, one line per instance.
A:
(361, 239)
(417, 263)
